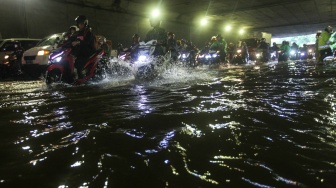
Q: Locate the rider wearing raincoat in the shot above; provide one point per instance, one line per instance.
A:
(220, 45)
(324, 45)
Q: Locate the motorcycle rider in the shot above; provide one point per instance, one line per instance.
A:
(135, 41)
(295, 50)
(172, 45)
(317, 53)
(220, 45)
(72, 29)
(285, 51)
(303, 51)
(134, 46)
(14, 59)
(264, 47)
(245, 54)
(157, 33)
(231, 50)
(323, 44)
(86, 41)
(275, 50)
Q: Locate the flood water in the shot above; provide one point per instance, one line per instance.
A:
(264, 125)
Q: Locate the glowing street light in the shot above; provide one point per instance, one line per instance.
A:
(241, 31)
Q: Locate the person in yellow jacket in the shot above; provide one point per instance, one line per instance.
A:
(324, 43)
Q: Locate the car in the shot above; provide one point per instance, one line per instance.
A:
(35, 60)
(7, 45)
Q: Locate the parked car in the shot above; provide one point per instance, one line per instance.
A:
(35, 60)
(7, 46)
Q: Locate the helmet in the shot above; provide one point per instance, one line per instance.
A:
(213, 38)
(170, 34)
(82, 19)
(73, 27)
(329, 29)
(136, 37)
(318, 33)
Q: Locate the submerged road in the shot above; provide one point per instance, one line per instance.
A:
(265, 125)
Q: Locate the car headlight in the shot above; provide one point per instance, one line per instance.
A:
(6, 57)
(43, 52)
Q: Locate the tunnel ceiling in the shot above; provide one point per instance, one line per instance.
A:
(279, 17)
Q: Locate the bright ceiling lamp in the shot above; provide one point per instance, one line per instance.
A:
(241, 31)
(228, 28)
(204, 21)
(155, 13)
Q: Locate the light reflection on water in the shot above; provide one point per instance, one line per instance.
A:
(269, 125)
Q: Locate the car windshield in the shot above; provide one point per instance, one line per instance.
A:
(50, 40)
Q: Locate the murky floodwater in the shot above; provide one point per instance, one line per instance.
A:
(269, 125)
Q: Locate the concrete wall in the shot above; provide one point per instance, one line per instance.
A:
(39, 18)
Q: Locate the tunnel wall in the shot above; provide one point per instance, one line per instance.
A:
(39, 18)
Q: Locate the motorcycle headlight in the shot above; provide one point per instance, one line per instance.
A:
(258, 55)
(302, 54)
(310, 51)
(214, 55)
(142, 58)
(43, 52)
(208, 56)
(184, 56)
(239, 51)
(292, 52)
(56, 57)
(6, 57)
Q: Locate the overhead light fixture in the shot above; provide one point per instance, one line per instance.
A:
(156, 13)
(204, 21)
(241, 31)
(228, 28)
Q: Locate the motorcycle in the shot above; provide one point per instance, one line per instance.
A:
(148, 59)
(10, 65)
(187, 58)
(238, 57)
(61, 67)
(208, 57)
(282, 56)
(294, 54)
(262, 56)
